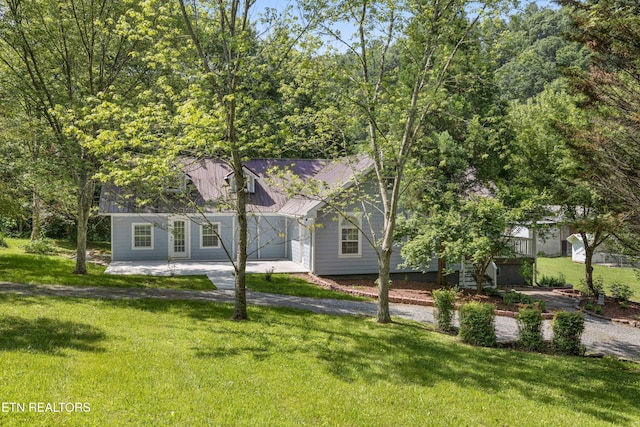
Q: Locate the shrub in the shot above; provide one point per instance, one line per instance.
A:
(588, 305)
(3, 241)
(514, 297)
(620, 291)
(624, 304)
(268, 273)
(40, 247)
(476, 324)
(492, 292)
(598, 309)
(527, 273)
(567, 329)
(530, 329)
(598, 285)
(445, 300)
(552, 281)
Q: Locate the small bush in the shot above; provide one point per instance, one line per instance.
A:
(588, 306)
(492, 292)
(3, 241)
(445, 300)
(552, 281)
(514, 297)
(527, 273)
(40, 247)
(624, 304)
(268, 273)
(567, 329)
(620, 291)
(476, 324)
(598, 309)
(530, 329)
(598, 285)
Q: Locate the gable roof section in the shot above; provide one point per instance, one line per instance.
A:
(207, 177)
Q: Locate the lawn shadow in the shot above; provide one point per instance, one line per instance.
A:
(47, 335)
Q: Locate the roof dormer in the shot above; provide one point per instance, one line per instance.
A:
(249, 178)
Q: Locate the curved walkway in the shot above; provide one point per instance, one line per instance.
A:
(600, 336)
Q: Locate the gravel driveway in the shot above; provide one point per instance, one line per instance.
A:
(600, 336)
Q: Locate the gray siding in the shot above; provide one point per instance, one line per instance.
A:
(226, 239)
(121, 241)
(327, 257)
(271, 237)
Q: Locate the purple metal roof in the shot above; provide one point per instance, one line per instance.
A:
(279, 187)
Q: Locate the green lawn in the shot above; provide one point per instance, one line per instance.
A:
(288, 285)
(19, 267)
(573, 272)
(155, 362)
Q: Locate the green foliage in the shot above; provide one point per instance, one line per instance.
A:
(444, 301)
(591, 291)
(514, 297)
(567, 330)
(527, 273)
(588, 305)
(598, 309)
(476, 324)
(3, 241)
(41, 247)
(620, 291)
(530, 329)
(552, 281)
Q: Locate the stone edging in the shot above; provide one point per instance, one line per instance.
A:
(400, 300)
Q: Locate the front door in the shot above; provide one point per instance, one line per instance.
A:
(178, 238)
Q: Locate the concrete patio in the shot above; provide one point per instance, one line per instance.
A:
(219, 272)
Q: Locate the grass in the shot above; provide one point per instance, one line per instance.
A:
(285, 284)
(574, 272)
(161, 363)
(19, 267)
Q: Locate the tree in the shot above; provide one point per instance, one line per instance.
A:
(547, 172)
(61, 56)
(610, 149)
(400, 58)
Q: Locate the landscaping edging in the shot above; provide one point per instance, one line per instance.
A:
(400, 300)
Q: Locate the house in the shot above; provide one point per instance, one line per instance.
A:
(196, 222)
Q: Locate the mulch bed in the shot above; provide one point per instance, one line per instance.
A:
(419, 293)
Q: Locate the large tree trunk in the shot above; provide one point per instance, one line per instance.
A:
(85, 202)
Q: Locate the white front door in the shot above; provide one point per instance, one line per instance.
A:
(178, 238)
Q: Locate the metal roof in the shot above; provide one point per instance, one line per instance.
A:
(286, 186)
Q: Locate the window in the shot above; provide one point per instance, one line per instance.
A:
(210, 235)
(142, 236)
(349, 237)
(249, 181)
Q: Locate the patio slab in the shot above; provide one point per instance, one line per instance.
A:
(190, 268)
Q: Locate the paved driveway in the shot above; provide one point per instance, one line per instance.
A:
(600, 336)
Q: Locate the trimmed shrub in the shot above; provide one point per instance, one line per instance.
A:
(530, 329)
(40, 247)
(552, 281)
(620, 291)
(476, 324)
(445, 300)
(567, 330)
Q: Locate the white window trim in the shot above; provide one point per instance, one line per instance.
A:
(343, 224)
(133, 237)
(202, 226)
